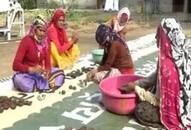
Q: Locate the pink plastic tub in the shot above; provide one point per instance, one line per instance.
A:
(112, 98)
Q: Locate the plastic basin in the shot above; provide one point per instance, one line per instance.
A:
(97, 55)
(112, 98)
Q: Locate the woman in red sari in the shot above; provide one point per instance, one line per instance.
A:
(64, 51)
(32, 62)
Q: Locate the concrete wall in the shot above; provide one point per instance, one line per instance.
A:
(131, 4)
(166, 6)
(80, 4)
(86, 4)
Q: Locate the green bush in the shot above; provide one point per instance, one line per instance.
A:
(28, 4)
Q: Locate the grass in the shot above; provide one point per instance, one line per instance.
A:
(77, 16)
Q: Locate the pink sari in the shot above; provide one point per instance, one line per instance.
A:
(169, 86)
(174, 77)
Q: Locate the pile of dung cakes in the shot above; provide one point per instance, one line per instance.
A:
(12, 102)
(76, 73)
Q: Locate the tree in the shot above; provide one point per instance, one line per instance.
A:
(185, 11)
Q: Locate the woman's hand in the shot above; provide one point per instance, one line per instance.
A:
(127, 88)
(91, 74)
(46, 74)
(36, 69)
(75, 37)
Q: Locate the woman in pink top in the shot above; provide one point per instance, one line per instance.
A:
(32, 62)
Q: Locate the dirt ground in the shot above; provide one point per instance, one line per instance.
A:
(87, 41)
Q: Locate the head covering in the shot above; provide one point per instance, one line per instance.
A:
(38, 22)
(124, 12)
(43, 48)
(58, 34)
(175, 71)
(57, 14)
(105, 35)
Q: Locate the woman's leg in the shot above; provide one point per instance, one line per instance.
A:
(23, 82)
(42, 83)
(73, 53)
(60, 61)
(29, 82)
(65, 59)
(54, 55)
(57, 76)
(105, 74)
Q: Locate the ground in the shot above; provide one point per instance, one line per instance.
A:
(86, 33)
(86, 27)
(86, 30)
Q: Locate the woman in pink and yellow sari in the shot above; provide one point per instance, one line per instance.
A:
(64, 52)
(171, 97)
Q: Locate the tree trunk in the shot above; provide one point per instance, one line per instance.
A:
(185, 6)
(185, 11)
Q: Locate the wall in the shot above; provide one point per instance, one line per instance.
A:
(81, 4)
(166, 6)
(87, 4)
(131, 4)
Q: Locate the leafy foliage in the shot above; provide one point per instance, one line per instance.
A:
(28, 4)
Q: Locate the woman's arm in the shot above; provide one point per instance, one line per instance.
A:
(47, 58)
(110, 58)
(145, 83)
(111, 21)
(148, 82)
(18, 60)
(61, 47)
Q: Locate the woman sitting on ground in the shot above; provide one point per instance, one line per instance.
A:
(64, 52)
(117, 58)
(169, 101)
(32, 62)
